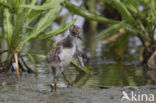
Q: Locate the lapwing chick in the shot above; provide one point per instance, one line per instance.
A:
(62, 55)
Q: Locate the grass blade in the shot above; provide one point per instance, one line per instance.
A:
(87, 14)
(8, 29)
(2, 3)
(84, 69)
(33, 61)
(123, 10)
(54, 32)
(109, 31)
(153, 7)
(48, 5)
(43, 23)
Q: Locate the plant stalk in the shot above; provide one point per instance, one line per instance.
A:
(17, 66)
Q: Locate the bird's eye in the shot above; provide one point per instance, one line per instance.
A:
(73, 32)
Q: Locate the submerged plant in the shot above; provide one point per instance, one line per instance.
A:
(22, 21)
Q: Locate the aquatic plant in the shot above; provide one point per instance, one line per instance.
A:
(138, 17)
(22, 21)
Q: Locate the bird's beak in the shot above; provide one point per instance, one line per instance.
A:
(79, 37)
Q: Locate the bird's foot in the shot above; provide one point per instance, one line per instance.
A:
(69, 85)
(53, 89)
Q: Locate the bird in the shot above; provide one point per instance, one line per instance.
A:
(62, 54)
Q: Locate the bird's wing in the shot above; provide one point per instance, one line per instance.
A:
(53, 55)
(78, 58)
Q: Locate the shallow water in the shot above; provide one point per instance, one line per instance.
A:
(114, 64)
(107, 67)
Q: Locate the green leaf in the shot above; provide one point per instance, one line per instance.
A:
(87, 14)
(131, 7)
(32, 3)
(35, 7)
(4, 4)
(84, 69)
(40, 56)
(81, 80)
(123, 10)
(48, 5)
(110, 30)
(74, 63)
(33, 61)
(43, 23)
(15, 4)
(8, 29)
(55, 32)
(153, 7)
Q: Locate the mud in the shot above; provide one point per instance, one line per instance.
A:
(26, 90)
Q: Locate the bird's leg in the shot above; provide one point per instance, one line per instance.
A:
(78, 58)
(66, 80)
(53, 88)
(55, 80)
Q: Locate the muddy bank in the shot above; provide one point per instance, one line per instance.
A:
(24, 90)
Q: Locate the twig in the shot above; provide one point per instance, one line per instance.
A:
(17, 66)
(21, 66)
(3, 51)
(28, 68)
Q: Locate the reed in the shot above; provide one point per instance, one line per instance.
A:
(22, 21)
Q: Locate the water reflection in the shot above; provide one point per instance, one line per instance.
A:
(105, 73)
(149, 76)
(114, 64)
(108, 69)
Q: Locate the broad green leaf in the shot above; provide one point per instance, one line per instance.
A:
(55, 32)
(110, 30)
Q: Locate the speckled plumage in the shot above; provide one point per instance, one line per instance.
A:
(65, 50)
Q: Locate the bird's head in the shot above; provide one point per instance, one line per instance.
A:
(75, 31)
